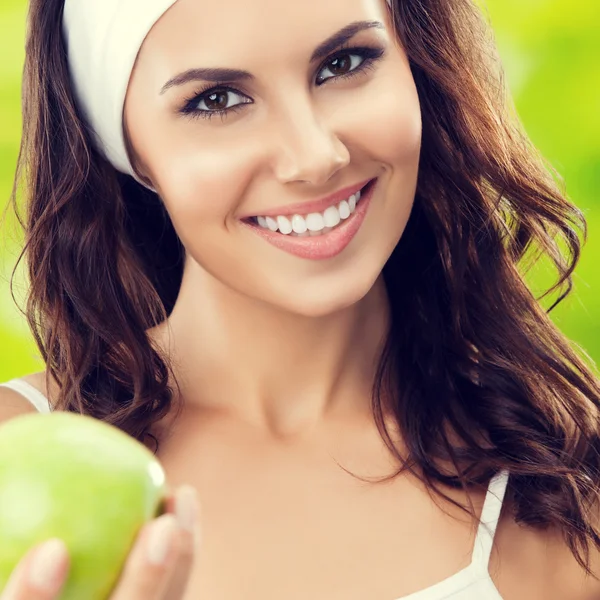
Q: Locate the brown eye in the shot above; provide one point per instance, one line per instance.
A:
(217, 100)
(343, 65)
(340, 65)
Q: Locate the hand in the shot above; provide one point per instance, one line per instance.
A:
(141, 578)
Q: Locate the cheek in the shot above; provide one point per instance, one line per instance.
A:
(387, 118)
(397, 138)
(202, 185)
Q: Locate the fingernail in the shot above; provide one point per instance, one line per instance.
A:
(161, 536)
(45, 570)
(186, 508)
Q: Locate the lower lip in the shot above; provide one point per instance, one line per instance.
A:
(326, 245)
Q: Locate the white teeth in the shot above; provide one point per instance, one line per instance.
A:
(299, 224)
(285, 225)
(331, 216)
(314, 223)
(344, 209)
(352, 202)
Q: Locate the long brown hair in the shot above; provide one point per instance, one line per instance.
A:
(487, 382)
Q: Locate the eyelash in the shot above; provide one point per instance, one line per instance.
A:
(369, 55)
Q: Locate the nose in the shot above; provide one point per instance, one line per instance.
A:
(307, 150)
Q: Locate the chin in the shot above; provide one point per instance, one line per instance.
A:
(327, 299)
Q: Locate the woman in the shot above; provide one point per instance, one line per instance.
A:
(312, 305)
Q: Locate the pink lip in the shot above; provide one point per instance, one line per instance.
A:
(305, 208)
(326, 245)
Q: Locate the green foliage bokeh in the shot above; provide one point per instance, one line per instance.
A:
(551, 54)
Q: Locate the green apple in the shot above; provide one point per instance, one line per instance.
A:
(77, 478)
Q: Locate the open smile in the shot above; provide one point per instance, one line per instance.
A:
(316, 235)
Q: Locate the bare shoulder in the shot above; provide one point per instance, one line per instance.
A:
(38, 381)
(567, 575)
(12, 403)
(574, 581)
(538, 564)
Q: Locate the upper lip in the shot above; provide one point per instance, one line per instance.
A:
(304, 208)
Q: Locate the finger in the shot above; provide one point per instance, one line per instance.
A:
(41, 574)
(169, 502)
(186, 509)
(150, 564)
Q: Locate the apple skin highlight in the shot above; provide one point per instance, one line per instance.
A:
(84, 481)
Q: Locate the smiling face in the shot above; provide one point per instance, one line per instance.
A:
(305, 120)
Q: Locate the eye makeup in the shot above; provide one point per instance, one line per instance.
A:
(369, 56)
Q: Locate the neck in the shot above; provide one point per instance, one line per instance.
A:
(282, 372)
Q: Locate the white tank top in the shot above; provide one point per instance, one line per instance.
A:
(471, 583)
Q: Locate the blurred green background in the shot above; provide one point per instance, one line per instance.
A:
(551, 53)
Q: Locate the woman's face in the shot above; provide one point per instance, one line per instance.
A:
(293, 130)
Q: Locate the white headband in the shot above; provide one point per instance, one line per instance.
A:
(103, 38)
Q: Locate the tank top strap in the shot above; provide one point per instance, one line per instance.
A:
(490, 515)
(30, 393)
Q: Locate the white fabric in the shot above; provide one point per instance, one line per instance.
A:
(30, 393)
(474, 581)
(471, 583)
(103, 38)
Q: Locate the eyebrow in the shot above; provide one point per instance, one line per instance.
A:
(217, 74)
